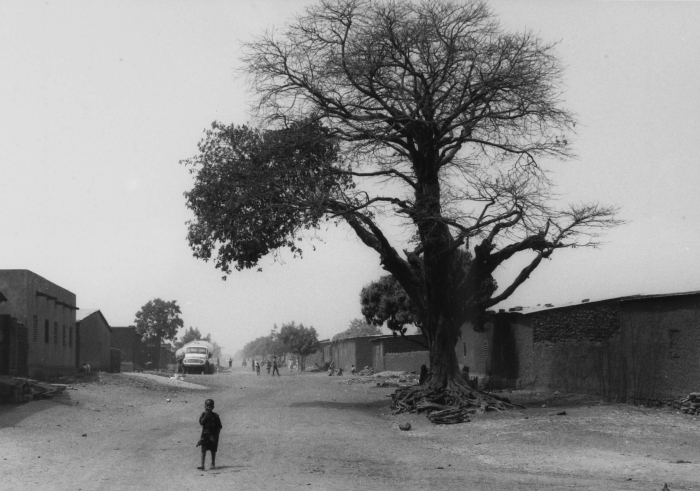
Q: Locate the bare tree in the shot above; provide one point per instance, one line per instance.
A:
(426, 111)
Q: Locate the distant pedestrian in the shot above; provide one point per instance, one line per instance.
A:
(274, 367)
(352, 369)
(257, 367)
(252, 363)
(211, 427)
(230, 362)
(269, 365)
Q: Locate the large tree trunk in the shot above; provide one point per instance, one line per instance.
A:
(444, 395)
(442, 339)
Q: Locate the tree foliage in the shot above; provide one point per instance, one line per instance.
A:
(385, 301)
(426, 111)
(265, 346)
(270, 184)
(299, 340)
(191, 334)
(158, 320)
(358, 328)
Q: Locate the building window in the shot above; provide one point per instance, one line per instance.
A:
(55, 333)
(64, 334)
(46, 331)
(35, 331)
(70, 336)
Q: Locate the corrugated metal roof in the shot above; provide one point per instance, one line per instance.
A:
(549, 306)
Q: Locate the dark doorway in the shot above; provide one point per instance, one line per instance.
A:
(504, 353)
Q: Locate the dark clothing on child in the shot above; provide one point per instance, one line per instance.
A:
(211, 427)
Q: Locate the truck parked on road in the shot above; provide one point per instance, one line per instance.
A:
(194, 357)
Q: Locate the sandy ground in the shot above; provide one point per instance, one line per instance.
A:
(308, 431)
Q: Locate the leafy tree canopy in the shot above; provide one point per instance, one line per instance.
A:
(299, 340)
(265, 346)
(158, 319)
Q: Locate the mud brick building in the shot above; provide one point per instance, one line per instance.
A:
(321, 356)
(352, 351)
(47, 312)
(93, 340)
(128, 342)
(629, 348)
(400, 353)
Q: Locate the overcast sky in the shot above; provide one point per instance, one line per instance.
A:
(99, 101)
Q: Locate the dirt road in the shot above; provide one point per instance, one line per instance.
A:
(308, 431)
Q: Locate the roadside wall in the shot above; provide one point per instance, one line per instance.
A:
(14, 347)
(405, 362)
(399, 353)
(661, 346)
(634, 348)
(48, 311)
(352, 351)
(128, 342)
(95, 337)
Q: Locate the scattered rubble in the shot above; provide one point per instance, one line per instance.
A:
(687, 405)
(18, 390)
(366, 372)
(384, 379)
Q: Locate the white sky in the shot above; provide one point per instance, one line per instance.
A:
(99, 101)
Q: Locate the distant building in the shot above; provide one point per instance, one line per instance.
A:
(128, 342)
(352, 351)
(321, 356)
(93, 340)
(399, 353)
(629, 348)
(47, 312)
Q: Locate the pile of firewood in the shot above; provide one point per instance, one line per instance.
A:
(688, 405)
(17, 390)
(445, 406)
(443, 415)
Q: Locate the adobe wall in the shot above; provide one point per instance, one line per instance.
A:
(502, 354)
(575, 349)
(473, 349)
(363, 353)
(405, 362)
(352, 351)
(315, 358)
(95, 343)
(128, 343)
(48, 311)
(661, 346)
(630, 349)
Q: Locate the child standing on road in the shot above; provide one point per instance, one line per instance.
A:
(211, 427)
(257, 367)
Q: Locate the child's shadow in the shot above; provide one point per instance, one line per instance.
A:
(235, 468)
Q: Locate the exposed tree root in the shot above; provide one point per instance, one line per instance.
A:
(449, 405)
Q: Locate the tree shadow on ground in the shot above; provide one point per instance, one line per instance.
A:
(551, 399)
(344, 406)
(13, 414)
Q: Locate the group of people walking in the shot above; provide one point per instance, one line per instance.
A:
(271, 365)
